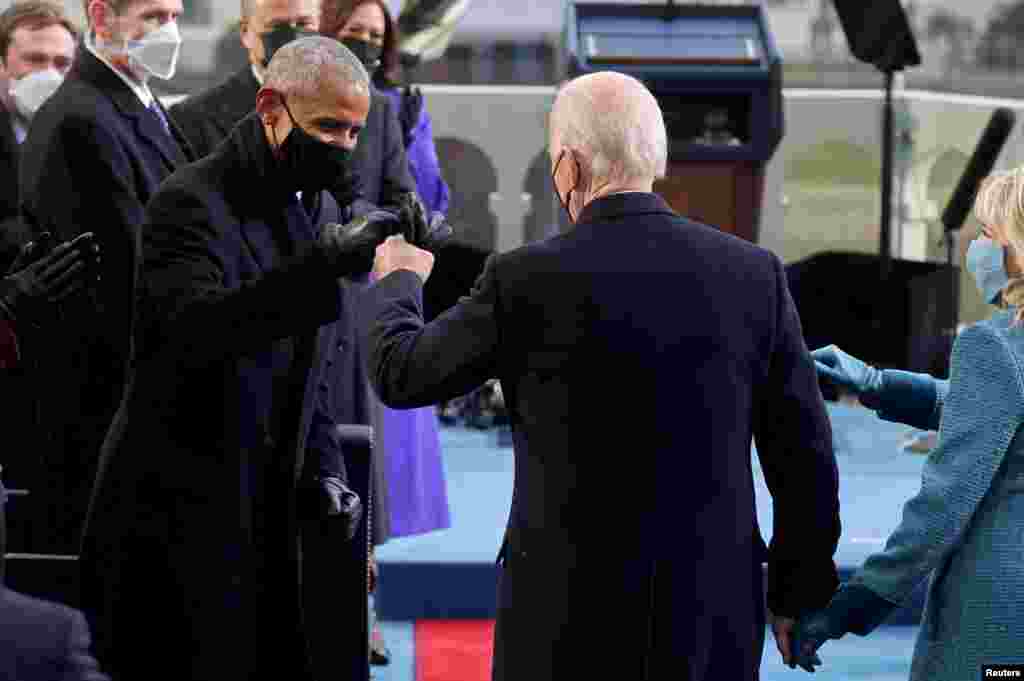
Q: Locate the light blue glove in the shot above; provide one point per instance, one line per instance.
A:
(850, 373)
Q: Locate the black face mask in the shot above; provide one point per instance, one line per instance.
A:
(279, 37)
(313, 165)
(367, 53)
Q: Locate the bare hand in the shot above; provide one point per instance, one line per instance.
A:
(782, 629)
(397, 254)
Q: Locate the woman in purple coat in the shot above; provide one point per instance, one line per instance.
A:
(417, 500)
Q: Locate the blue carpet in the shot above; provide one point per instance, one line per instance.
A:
(401, 642)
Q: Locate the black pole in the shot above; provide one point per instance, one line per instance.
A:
(884, 238)
(672, 12)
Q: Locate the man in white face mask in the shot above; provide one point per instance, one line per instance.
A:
(94, 156)
(37, 46)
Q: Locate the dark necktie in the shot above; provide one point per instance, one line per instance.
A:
(300, 224)
(159, 113)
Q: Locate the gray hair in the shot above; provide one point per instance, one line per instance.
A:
(615, 121)
(301, 66)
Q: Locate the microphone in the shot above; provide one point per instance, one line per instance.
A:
(984, 158)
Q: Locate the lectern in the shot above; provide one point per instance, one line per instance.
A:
(717, 75)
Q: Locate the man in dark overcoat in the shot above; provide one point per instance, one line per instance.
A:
(638, 355)
(197, 521)
(94, 156)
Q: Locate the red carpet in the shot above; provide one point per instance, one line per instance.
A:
(454, 650)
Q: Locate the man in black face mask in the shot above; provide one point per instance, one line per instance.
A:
(239, 279)
(265, 27)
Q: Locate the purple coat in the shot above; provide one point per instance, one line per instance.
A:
(417, 494)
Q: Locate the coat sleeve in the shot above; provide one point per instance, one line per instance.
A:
(9, 353)
(78, 663)
(322, 445)
(194, 127)
(396, 177)
(87, 172)
(912, 399)
(185, 309)
(412, 364)
(984, 410)
(794, 446)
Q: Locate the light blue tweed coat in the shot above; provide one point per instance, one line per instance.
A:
(966, 526)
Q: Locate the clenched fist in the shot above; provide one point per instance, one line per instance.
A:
(398, 254)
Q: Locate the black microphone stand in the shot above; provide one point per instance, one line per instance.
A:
(672, 11)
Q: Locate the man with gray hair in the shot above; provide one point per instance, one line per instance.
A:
(220, 460)
(638, 354)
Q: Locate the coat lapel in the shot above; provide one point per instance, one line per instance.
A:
(146, 124)
(150, 129)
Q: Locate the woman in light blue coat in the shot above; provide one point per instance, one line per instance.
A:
(965, 528)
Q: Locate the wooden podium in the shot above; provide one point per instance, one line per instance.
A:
(722, 194)
(717, 76)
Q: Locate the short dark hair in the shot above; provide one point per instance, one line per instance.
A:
(34, 14)
(334, 14)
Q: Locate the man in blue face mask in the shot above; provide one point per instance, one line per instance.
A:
(93, 158)
(265, 27)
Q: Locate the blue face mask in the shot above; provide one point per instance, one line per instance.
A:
(986, 261)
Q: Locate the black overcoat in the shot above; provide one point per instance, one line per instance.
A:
(638, 355)
(195, 521)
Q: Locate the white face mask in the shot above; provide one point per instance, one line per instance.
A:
(156, 53)
(30, 91)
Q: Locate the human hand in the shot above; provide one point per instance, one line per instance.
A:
(340, 501)
(807, 636)
(397, 254)
(850, 373)
(420, 228)
(36, 280)
(351, 247)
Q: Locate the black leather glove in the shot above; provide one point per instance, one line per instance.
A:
(350, 248)
(32, 252)
(855, 608)
(412, 107)
(27, 291)
(429, 233)
(341, 502)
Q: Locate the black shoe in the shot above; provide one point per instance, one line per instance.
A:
(380, 656)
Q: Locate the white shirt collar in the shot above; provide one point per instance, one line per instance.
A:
(257, 73)
(140, 89)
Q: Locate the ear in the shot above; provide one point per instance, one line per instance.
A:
(98, 16)
(269, 105)
(245, 35)
(571, 160)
